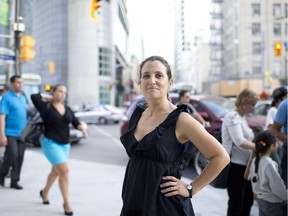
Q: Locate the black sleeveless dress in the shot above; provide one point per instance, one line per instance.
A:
(158, 154)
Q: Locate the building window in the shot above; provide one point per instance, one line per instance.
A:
(256, 48)
(105, 61)
(277, 29)
(286, 10)
(286, 29)
(256, 29)
(255, 10)
(104, 94)
(256, 69)
(276, 10)
(277, 68)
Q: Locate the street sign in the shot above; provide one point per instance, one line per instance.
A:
(7, 56)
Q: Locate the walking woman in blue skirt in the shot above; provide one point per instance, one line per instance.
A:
(55, 142)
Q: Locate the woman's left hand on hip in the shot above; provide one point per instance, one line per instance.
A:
(173, 187)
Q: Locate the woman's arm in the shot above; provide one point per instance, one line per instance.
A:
(77, 124)
(189, 129)
(238, 138)
(38, 102)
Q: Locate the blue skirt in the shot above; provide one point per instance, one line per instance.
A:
(56, 153)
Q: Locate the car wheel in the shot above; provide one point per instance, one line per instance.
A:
(200, 162)
(102, 120)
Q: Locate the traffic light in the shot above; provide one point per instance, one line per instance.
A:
(47, 88)
(278, 49)
(27, 48)
(95, 9)
(51, 67)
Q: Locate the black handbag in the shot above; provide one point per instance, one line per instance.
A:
(222, 179)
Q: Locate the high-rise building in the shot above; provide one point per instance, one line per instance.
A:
(84, 52)
(180, 40)
(250, 31)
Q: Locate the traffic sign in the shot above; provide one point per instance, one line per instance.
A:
(7, 56)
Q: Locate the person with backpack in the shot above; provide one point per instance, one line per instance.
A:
(55, 142)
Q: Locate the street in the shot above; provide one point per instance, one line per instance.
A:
(104, 147)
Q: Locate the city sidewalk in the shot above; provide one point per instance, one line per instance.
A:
(95, 190)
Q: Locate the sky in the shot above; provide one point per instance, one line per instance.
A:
(153, 21)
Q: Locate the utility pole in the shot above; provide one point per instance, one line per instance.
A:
(18, 27)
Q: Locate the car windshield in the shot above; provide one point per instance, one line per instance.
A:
(219, 106)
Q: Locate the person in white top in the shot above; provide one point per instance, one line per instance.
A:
(279, 94)
(237, 139)
(267, 184)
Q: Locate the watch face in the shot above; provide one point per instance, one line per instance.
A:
(189, 187)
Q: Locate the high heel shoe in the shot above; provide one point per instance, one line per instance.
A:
(45, 202)
(66, 212)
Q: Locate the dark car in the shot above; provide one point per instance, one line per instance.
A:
(211, 108)
(36, 129)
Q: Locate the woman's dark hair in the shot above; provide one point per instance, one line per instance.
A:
(263, 141)
(278, 95)
(182, 93)
(156, 58)
(163, 61)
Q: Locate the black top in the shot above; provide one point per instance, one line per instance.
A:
(56, 125)
(158, 154)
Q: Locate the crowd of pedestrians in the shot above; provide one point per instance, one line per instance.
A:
(155, 142)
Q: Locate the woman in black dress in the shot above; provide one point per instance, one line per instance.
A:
(155, 142)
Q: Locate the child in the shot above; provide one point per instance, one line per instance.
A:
(266, 182)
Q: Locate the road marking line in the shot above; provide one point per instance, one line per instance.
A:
(109, 136)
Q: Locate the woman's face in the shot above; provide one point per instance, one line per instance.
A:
(154, 82)
(60, 93)
(185, 99)
(249, 107)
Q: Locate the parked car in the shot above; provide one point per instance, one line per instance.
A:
(115, 112)
(97, 115)
(258, 117)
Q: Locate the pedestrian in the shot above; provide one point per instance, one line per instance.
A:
(267, 184)
(55, 142)
(279, 94)
(237, 139)
(280, 121)
(13, 119)
(184, 98)
(155, 141)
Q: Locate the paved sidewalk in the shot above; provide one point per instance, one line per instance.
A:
(95, 190)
